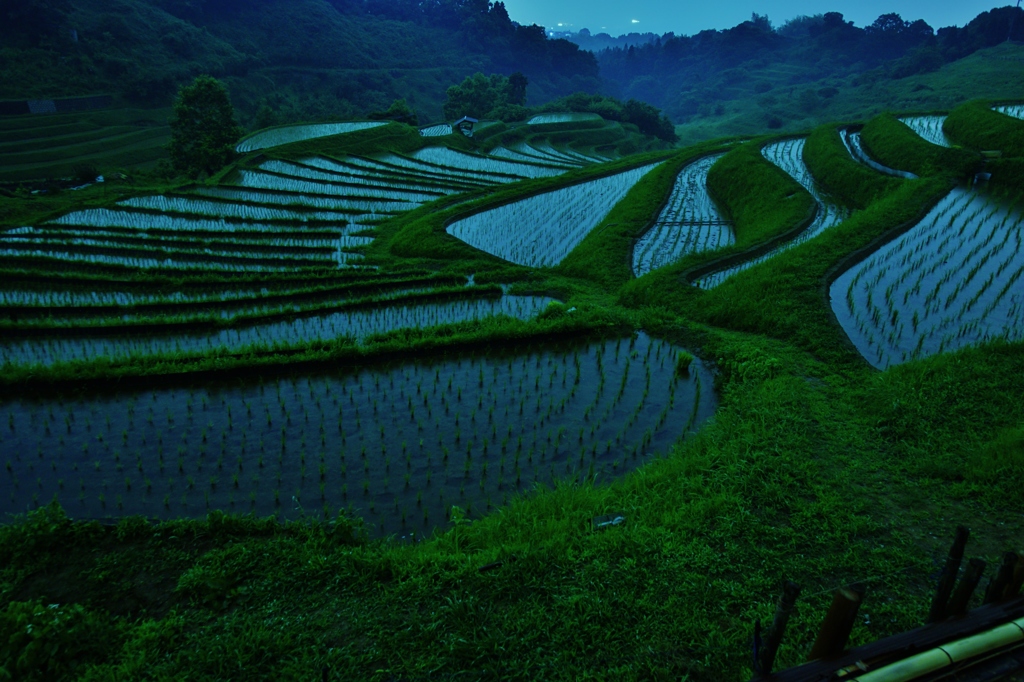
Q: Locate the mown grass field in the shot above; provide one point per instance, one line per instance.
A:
(381, 457)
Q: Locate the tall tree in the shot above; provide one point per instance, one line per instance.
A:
(517, 83)
(203, 128)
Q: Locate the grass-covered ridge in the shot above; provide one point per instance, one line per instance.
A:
(760, 198)
(839, 174)
(895, 145)
(978, 126)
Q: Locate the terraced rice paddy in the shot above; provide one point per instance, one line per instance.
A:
(541, 230)
(1015, 110)
(77, 342)
(547, 119)
(443, 157)
(928, 127)
(689, 223)
(37, 147)
(856, 148)
(788, 155)
(953, 280)
(439, 130)
(399, 444)
(276, 137)
(191, 205)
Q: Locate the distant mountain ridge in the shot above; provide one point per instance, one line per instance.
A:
(287, 59)
(690, 76)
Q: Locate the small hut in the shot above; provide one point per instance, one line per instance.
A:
(465, 125)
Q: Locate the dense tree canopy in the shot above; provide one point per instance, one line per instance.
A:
(203, 128)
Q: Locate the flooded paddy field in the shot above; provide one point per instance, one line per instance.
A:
(399, 444)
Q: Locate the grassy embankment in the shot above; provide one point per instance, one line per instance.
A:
(975, 125)
(894, 144)
(839, 174)
(816, 469)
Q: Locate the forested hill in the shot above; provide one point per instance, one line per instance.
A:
(287, 59)
(691, 76)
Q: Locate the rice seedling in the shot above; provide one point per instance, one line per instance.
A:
(276, 137)
(357, 324)
(928, 127)
(788, 155)
(541, 230)
(689, 223)
(950, 281)
(652, 410)
(566, 117)
(439, 130)
(1015, 110)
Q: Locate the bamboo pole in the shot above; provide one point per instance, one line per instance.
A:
(835, 630)
(1013, 589)
(962, 594)
(998, 583)
(948, 576)
(766, 655)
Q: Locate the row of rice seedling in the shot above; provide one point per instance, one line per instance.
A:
(229, 209)
(191, 311)
(856, 148)
(380, 171)
(566, 155)
(439, 130)
(357, 324)
(928, 127)
(449, 158)
(401, 166)
(541, 230)
(117, 248)
(689, 223)
(282, 183)
(169, 261)
(400, 444)
(1015, 110)
(257, 196)
(788, 155)
(155, 222)
(58, 298)
(526, 153)
(276, 137)
(349, 178)
(568, 117)
(229, 243)
(953, 280)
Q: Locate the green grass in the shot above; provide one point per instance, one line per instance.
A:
(977, 126)
(839, 174)
(761, 199)
(894, 144)
(1007, 174)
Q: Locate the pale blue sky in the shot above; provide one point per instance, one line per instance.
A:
(691, 16)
